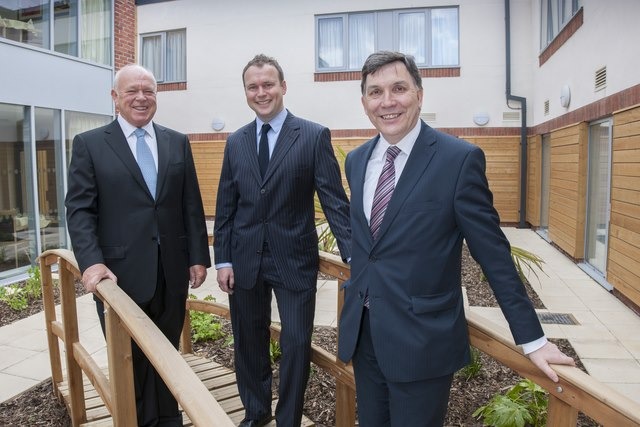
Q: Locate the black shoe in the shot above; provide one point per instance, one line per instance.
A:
(247, 422)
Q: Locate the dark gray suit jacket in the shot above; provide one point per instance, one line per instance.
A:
(412, 272)
(113, 219)
(280, 207)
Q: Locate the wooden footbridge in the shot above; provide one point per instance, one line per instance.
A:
(206, 391)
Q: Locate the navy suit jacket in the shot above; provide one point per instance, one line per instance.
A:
(412, 272)
(279, 208)
(113, 219)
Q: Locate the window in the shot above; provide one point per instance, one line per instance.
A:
(165, 54)
(89, 21)
(343, 41)
(554, 16)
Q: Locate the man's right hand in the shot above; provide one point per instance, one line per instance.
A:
(226, 280)
(94, 274)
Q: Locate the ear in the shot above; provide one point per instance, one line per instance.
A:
(114, 95)
(284, 87)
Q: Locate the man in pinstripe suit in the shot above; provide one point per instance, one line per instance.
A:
(265, 239)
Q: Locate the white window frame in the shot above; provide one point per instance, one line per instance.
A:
(162, 72)
(386, 36)
(554, 15)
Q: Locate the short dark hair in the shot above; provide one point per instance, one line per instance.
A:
(261, 60)
(377, 60)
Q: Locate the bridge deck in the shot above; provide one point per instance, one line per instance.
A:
(219, 380)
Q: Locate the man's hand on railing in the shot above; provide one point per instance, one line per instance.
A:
(94, 274)
(226, 280)
(197, 274)
(550, 353)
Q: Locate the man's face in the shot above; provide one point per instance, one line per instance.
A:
(264, 91)
(135, 97)
(392, 101)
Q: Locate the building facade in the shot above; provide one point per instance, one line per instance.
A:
(547, 88)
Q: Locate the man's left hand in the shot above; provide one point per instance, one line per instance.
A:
(197, 274)
(550, 353)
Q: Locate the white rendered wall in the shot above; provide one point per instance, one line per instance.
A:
(223, 35)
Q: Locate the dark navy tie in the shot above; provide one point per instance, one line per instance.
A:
(263, 149)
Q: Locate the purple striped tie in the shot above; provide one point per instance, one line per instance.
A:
(384, 190)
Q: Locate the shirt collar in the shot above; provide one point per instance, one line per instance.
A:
(128, 128)
(405, 144)
(276, 123)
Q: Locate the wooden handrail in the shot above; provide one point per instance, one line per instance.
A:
(124, 321)
(575, 392)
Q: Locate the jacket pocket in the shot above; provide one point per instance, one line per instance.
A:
(436, 302)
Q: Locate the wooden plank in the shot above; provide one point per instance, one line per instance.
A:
(221, 385)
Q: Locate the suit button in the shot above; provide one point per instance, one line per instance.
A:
(372, 258)
(262, 191)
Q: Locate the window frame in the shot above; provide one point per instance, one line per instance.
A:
(160, 75)
(552, 26)
(379, 32)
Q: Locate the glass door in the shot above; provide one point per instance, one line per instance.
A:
(545, 175)
(598, 196)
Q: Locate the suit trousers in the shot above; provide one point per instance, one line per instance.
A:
(155, 405)
(383, 403)
(251, 318)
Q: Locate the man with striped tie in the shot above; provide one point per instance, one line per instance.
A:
(416, 193)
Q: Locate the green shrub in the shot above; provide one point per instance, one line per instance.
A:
(14, 296)
(205, 326)
(473, 368)
(33, 286)
(275, 351)
(525, 404)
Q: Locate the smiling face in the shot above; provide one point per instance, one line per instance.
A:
(392, 101)
(264, 91)
(134, 95)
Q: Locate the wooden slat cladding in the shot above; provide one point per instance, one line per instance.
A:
(623, 266)
(503, 173)
(567, 188)
(534, 180)
(503, 169)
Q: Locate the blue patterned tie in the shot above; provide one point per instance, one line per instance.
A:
(145, 161)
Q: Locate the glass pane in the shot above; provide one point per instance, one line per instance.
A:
(152, 55)
(49, 177)
(176, 57)
(25, 21)
(17, 225)
(76, 123)
(444, 37)
(361, 38)
(65, 26)
(598, 195)
(95, 36)
(330, 43)
(412, 39)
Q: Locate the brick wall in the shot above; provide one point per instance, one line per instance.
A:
(125, 40)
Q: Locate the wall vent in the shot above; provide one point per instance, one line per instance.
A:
(428, 117)
(546, 107)
(601, 78)
(511, 116)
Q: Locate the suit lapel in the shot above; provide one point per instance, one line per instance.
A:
(163, 142)
(249, 148)
(118, 143)
(358, 173)
(288, 135)
(418, 161)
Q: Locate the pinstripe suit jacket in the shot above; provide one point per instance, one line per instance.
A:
(279, 208)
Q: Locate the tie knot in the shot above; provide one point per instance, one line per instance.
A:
(392, 153)
(139, 132)
(265, 128)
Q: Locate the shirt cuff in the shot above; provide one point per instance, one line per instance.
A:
(530, 347)
(223, 265)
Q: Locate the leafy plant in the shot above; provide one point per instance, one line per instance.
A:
(473, 368)
(14, 296)
(33, 286)
(523, 404)
(524, 259)
(275, 351)
(205, 326)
